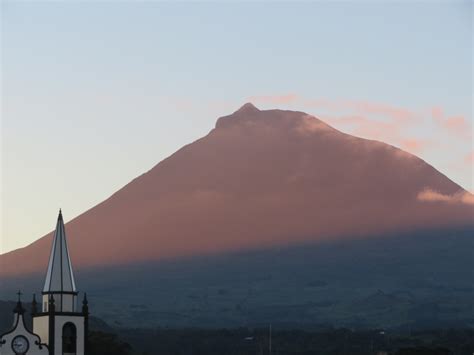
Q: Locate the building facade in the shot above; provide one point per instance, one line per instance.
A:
(59, 326)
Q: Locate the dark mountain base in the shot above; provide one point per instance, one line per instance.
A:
(410, 281)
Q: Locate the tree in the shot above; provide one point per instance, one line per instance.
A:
(107, 344)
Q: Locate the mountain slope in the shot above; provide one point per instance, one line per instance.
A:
(260, 178)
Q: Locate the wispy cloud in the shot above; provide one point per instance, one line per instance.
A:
(361, 107)
(400, 126)
(429, 195)
(390, 131)
(309, 126)
(415, 145)
(469, 158)
(275, 99)
(456, 125)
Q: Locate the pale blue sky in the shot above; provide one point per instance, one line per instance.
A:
(96, 93)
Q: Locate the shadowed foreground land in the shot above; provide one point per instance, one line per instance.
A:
(289, 342)
(245, 341)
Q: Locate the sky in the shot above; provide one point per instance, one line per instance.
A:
(94, 94)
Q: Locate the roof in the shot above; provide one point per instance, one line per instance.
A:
(60, 277)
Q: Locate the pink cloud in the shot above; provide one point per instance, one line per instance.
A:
(348, 120)
(429, 195)
(275, 99)
(310, 125)
(414, 145)
(395, 125)
(437, 113)
(397, 113)
(469, 158)
(363, 107)
(322, 103)
(457, 124)
(386, 131)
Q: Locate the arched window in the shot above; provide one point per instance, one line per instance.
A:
(69, 339)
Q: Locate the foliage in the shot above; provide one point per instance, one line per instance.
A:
(107, 344)
(423, 351)
(243, 341)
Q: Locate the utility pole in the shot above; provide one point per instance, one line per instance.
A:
(270, 340)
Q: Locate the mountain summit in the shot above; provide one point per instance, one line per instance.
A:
(261, 178)
(248, 108)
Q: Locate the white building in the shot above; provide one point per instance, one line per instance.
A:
(59, 328)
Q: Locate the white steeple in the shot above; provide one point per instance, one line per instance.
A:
(60, 277)
(60, 324)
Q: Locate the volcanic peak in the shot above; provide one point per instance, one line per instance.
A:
(247, 108)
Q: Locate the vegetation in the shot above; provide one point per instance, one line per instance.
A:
(105, 343)
(297, 342)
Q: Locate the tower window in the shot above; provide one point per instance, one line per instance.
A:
(69, 339)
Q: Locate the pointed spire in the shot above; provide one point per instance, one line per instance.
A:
(34, 305)
(85, 306)
(60, 277)
(19, 307)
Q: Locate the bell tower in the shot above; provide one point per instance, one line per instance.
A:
(60, 323)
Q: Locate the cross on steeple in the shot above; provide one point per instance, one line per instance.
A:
(19, 307)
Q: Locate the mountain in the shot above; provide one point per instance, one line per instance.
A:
(259, 179)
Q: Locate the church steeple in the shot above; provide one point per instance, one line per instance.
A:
(59, 327)
(60, 277)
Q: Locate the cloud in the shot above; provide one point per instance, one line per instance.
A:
(397, 113)
(437, 113)
(275, 99)
(310, 124)
(414, 145)
(417, 131)
(366, 127)
(392, 132)
(429, 195)
(469, 158)
(456, 125)
(362, 107)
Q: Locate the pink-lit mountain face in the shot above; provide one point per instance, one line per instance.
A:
(259, 179)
